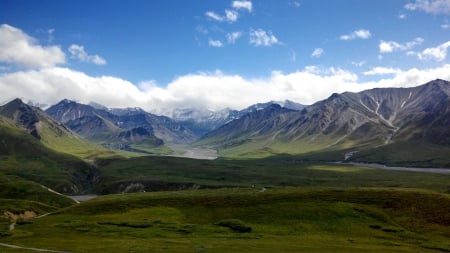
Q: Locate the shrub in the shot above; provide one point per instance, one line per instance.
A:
(235, 225)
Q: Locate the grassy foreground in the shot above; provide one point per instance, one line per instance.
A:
(247, 220)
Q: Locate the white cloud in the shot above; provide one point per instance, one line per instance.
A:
(230, 16)
(438, 53)
(207, 90)
(214, 16)
(215, 43)
(78, 52)
(358, 34)
(430, 6)
(445, 26)
(317, 53)
(381, 71)
(401, 16)
(233, 37)
(392, 46)
(50, 85)
(247, 5)
(18, 48)
(260, 37)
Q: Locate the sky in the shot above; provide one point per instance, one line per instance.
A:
(165, 54)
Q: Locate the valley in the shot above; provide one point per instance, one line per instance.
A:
(357, 171)
(303, 126)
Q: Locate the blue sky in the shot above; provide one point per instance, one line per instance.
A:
(164, 54)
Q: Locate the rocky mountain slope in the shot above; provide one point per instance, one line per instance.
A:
(120, 128)
(350, 122)
(44, 128)
(203, 121)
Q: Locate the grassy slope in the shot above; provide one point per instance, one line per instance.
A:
(18, 195)
(282, 220)
(404, 154)
(24, 156)
(70, 143)
(408, 153)
(171, 173)
(411, 153)
(12, 187)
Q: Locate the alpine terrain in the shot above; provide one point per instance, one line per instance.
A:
(383, 124)
(130, 129)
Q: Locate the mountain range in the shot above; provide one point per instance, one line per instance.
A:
(202, 121)
(134, 129)
(393, 125)
(350, 123)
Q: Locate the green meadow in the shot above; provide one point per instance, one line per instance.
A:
(263, 205)
(247, 220)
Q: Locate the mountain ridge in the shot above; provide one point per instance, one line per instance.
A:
(47, 130)
(346, 123)
(120, 128)
(203, 121)
(363, 120)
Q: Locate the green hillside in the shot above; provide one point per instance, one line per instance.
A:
(24, 156)
(49, 132)
(247, 220)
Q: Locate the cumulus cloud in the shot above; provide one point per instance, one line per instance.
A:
(215, 43)
(358, 34)
(216, 90)
(17, 48)
(260, 37)
(78, 52)
(50, 85)
(231, 16)
(430, 6)
(233, 37)
(317, 53)
(438, 53)
(246, 5)
(206, 90)
(392, 46)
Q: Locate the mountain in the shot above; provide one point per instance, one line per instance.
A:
(44, 128)
(130, 129)
(372, 120)
(250, 125)
(22, 115)
(202, 121)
